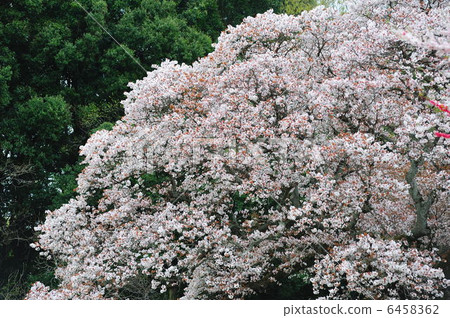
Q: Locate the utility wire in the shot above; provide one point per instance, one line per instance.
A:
(110, 35)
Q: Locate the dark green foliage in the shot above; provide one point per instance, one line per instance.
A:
(234, 11)
(295, 286)
(104, 126)
(150, 183)
(43, 122)
(18, 283)
(204, 14)
(64, 184)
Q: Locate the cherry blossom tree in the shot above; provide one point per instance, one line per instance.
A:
(302, 144)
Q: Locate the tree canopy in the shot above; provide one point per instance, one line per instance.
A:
(302, 150)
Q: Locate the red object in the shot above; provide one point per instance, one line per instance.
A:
(440, 106)
(439, 134)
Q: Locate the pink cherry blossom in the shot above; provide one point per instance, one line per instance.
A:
(302, 144)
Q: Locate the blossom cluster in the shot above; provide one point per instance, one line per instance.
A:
(297, 135)
(378, 269)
